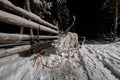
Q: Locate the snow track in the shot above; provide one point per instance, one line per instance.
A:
(91, 62)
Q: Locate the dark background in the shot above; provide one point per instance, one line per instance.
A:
(90, 18)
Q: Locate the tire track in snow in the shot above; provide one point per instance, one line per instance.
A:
(106, 57)
(95, 69)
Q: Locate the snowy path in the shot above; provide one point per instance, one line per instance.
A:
(108, 55)
(93, 62)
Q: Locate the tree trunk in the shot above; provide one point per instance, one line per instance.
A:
(116, 19)
(16, 20)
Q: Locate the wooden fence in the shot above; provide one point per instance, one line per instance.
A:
(32, 22)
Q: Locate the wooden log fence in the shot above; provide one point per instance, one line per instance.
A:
(8, 5)
(33, 22)
(17, 20)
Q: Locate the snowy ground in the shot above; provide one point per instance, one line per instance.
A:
(92, 62)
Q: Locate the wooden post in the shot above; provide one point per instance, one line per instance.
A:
(8, 5)
(17, 20)
(27, 7)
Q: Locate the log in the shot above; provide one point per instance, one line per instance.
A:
(22, 49)
(11, 51)
(12, 44)
(17, 20)
(8, 5)
(21, 37)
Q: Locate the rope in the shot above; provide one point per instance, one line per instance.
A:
(39, 56)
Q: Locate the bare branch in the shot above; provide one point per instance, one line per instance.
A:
(71, 24)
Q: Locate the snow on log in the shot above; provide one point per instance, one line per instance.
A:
(66, 41)
(17, 20)
(16, 37)
(7, 4)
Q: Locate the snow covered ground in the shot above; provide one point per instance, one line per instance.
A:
(91, 62)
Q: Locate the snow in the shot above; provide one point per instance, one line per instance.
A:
(91, 62)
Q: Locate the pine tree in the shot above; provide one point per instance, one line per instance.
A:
(112, 6)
